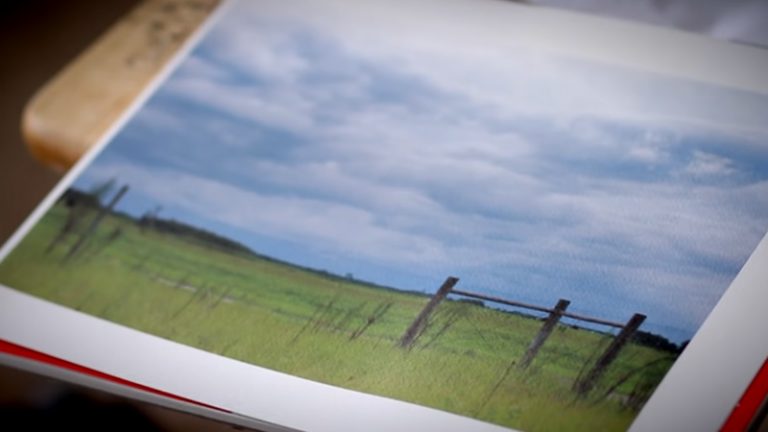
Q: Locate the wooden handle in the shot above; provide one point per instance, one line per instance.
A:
(77, 106)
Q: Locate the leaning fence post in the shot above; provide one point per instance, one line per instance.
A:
(96, 221)
(409, 337)
(546, 329)
(585, 385)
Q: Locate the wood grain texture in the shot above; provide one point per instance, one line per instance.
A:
(77, 106)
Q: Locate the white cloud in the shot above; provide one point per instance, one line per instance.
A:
(279, 106)
(646, 154)
(257, 46)
(515, 77)
(707, 164)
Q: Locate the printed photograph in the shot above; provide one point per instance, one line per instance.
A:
(522, 237)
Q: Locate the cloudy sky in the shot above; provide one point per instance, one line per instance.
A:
(403, 157)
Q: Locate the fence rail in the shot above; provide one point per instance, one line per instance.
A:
(537, 308)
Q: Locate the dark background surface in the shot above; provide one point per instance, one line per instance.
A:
(37, 38)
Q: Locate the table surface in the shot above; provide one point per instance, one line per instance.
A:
(77, 106)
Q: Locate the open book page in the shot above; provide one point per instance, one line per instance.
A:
(405, 217)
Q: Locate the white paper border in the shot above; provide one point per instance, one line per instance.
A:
(697, 394)
(91, 382)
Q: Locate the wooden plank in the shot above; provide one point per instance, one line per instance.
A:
(502, 301)
(77, 106)
(537, 308)
(97, 221)
(409, 337)
(593, 320)
(585, 385)
(546, 330)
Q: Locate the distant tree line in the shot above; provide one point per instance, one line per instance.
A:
(74, 197)
(657, 341)
(181, 229)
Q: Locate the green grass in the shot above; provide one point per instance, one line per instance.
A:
(278, 316)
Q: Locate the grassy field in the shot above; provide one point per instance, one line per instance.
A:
(317, 326)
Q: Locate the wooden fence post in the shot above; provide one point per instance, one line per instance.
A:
(585, 385)
(410, 335)
(546, 329)
(96, 221)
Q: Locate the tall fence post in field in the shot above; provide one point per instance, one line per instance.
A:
(410, 335)
(585, 385)
(96, 221)
(546, 330)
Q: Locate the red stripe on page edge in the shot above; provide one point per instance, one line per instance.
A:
(29, 354)
(745, 411)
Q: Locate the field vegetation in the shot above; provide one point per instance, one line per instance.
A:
(162, 278)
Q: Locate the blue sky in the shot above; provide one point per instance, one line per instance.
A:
(530, 175)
